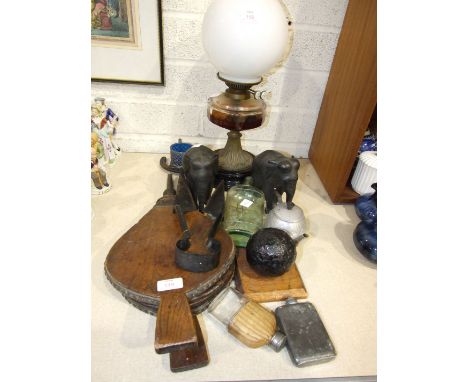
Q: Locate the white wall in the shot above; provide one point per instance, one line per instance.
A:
(153, 117)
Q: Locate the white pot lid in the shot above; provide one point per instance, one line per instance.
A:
(369, 158)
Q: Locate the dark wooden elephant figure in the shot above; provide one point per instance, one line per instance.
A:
(200, 165)
(273, 173)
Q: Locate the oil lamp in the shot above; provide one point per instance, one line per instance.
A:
(243, 39)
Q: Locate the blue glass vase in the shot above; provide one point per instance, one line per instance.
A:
(369, 143)
(178, 151)
(366, 205)
(365, 239)
(365, 234)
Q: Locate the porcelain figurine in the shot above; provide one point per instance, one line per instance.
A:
(100, 184)
(274, 173)
(97, 146)
(98, 111)
(104, 123)
(199, 168)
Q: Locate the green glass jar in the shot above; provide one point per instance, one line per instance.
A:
(243, 212)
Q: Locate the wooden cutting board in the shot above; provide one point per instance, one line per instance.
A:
(145, 254)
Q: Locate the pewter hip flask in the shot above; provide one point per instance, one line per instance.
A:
(308, 342)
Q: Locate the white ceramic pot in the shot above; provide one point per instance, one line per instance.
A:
(366, 173)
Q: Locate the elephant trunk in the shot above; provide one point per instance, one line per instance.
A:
(202, 193)
(290, 191)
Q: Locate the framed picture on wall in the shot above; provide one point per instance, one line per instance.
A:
(126, 41)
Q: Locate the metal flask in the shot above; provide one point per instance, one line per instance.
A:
(248, 321)
(292, 221)
(308, 342)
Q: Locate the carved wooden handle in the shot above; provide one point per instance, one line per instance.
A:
(191, 358)
(175, 329)
(253, 325)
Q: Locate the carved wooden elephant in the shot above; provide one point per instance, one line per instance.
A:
(200, 165)
(273, 173)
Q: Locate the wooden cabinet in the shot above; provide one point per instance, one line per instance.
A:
(349, 101)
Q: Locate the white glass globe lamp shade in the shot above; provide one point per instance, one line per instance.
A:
(245, 38)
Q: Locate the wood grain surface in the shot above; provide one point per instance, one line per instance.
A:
(191, 358)
(198, 304)
(145, 254)
(263, 288)
(348, 102)
(199, 227)
(253, 325)
(200, 252)
(175, 329)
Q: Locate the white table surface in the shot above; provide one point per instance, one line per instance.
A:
(341, 284)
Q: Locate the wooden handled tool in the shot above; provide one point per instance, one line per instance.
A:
(175, 329)
(145, 254)
(142, 266)
(190, 358)
(169, 195)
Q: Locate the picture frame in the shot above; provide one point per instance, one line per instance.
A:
(127, 41)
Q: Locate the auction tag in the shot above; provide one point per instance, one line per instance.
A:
(169, 284)
(246, 203)
(249, 17)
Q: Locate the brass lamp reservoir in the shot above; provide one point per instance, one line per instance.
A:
(237, 108)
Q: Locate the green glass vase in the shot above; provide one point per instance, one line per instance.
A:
(243, 212)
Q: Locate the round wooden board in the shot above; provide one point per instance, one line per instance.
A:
(197, 306)
(145, 254)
